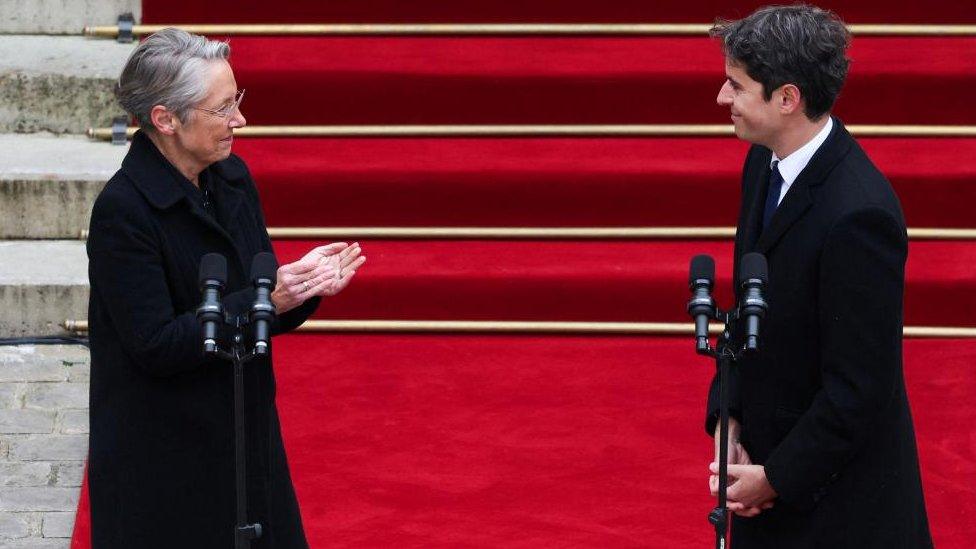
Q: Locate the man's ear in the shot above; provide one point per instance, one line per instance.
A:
(164, 120)
(789, 99)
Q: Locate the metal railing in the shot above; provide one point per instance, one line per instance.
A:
(509, 29)
(540, 327)
(553, 130)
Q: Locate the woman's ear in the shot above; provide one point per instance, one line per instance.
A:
(163, 120)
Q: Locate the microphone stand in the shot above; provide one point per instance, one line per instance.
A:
(725, 355)
(239, 355)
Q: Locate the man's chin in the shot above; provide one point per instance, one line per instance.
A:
(743, 134)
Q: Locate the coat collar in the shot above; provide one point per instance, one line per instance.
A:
(800, 196)
(154, 177)
(147, 168)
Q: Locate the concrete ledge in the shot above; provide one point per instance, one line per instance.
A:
(58, 84)
(41, 284)
(62, 16)
(48, 184)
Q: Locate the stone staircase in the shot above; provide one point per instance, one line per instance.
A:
(54, 84)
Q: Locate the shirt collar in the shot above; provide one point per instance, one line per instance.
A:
(791, 166)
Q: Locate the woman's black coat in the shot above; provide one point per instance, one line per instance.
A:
(161, 460)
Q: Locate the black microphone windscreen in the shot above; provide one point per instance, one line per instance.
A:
(264, 265)
(213, 266)
(702, 266)
(753, 266)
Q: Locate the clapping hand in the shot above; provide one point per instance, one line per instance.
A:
(323, 271)
(344, 259)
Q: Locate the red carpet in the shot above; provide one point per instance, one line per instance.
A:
(641, 281)
(558, 441)
(583, 80)
(545, 11)
(481, 441)
(562, 181)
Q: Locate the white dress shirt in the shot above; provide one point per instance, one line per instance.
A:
(791, 166)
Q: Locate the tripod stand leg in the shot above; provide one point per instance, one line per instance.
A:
(719, 517)
(243, 532)
(241, 541)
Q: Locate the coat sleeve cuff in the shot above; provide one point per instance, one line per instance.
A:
(711, 420)
(294, 318)
(797, 495)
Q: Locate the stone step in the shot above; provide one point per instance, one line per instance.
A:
(48, 183)
(61, 17)
(42, 283)
(59, 84)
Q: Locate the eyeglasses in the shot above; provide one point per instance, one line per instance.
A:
(228, 109)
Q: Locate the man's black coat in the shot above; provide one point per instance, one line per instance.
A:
(161, 460)
(823, 404)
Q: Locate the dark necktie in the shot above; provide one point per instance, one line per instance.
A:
(772, 195)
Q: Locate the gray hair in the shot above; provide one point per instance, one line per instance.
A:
(800, 45)
(167, 69)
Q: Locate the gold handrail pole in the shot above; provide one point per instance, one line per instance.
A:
(582, 130)
(555, 233)
(519, 29)
(514, 327)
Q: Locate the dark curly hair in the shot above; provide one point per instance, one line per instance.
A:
(800, 45)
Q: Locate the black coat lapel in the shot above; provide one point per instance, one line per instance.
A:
(146, 167)
(756, 196)
(794, 205)
(800, 196)
(228, 201)
(225, 183)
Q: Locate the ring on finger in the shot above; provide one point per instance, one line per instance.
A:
(305, 286)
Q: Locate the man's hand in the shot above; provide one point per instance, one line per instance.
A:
(737, 453)
(749, 492)
(737, 456)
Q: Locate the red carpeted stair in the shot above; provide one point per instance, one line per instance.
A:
(563, 181)
(568, 80)
(639, 281)
(408, 440)
(544, 11)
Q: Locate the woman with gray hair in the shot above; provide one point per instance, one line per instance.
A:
(161, 458)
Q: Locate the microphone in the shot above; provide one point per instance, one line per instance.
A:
(701, 306)
(753, 276)
(264, 267)
(213, 277)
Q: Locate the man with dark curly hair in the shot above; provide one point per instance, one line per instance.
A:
(821, 445)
